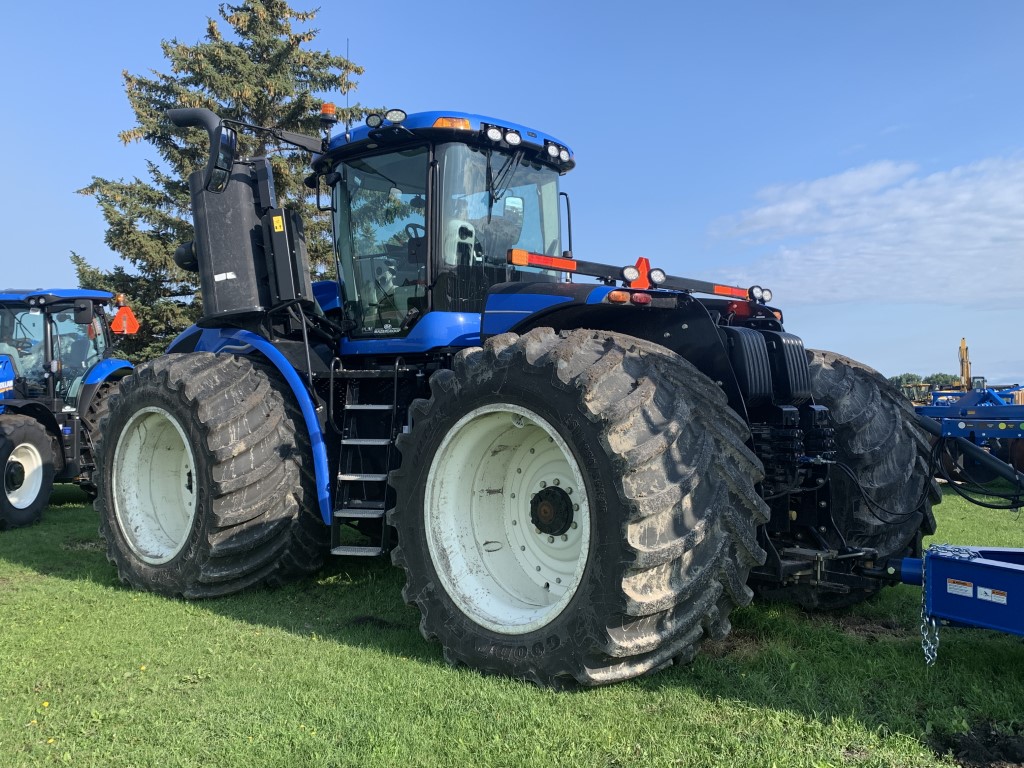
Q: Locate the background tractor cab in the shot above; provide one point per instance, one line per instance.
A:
(56, 372)
(53, 339)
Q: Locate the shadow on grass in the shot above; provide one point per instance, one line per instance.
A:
(863, 665)
(353, 602)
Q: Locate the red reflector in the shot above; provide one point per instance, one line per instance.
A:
(739, 308)
(640, 298)
(730, 290)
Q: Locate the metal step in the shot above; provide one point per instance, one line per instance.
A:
(378, 373)
(366, 441)
(345, 514)
(364, 504)
(362, 478)
(351, 551)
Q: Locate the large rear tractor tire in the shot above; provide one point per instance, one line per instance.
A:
(878, 439)
(98, 406)
(200, 477)
(94, 413)
(26, 456)
(574, 509)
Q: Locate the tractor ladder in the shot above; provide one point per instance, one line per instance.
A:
(372, 417)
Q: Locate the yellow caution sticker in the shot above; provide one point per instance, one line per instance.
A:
(958, 587)
(279, 223)
(992, 595)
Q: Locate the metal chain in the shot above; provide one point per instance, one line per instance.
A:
(929, 626)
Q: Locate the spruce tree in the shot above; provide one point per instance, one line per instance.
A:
(255, 66)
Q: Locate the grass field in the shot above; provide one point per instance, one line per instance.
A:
(332, 671)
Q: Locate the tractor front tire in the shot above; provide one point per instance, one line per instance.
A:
(26, 455)
(574, 509)
(888, 506)
(198, 476)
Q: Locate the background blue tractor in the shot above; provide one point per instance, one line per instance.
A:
(580, 479)
(56, 375)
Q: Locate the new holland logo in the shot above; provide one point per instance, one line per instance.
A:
(6, 386)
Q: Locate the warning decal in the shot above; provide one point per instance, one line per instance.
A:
(992, 595)
(279, 224)
(962, 588)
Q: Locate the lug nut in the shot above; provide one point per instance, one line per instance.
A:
(551, 539)
(556, 481)
(543, 484)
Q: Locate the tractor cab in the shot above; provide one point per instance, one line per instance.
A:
(52, 339)
(426, 208)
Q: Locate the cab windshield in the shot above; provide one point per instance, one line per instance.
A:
(489, 202)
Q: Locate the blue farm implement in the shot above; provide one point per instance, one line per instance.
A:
(581, 468)
(56, 375)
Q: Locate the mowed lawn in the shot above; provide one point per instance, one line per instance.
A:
(332, 671)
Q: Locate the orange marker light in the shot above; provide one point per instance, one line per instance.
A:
(327, 109)
(459, 123)
(618, 297)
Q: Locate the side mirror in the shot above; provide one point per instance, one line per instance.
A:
(223, 145)
(83, 311)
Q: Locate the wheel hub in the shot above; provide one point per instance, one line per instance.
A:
(551, 511)
(15, 476)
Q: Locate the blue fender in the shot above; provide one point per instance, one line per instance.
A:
(105, 369)
(236, 341)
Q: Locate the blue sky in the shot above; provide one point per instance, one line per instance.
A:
(864, 160)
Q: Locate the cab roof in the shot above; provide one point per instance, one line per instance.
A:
(427, 125)
(52, 295)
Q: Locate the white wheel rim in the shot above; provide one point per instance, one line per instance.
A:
(23, 475)
(482, 540)
(154, 485)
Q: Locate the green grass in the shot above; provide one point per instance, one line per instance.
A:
(333, 671)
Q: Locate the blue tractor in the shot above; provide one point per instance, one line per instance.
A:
(581, 468)
(56, 377)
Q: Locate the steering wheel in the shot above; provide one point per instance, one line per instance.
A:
(415, 230)
(23, 345)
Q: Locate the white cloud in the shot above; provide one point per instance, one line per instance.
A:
(889, 231)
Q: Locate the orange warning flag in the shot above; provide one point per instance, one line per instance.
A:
(124, 321)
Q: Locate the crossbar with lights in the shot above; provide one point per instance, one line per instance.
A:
(640, 275)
